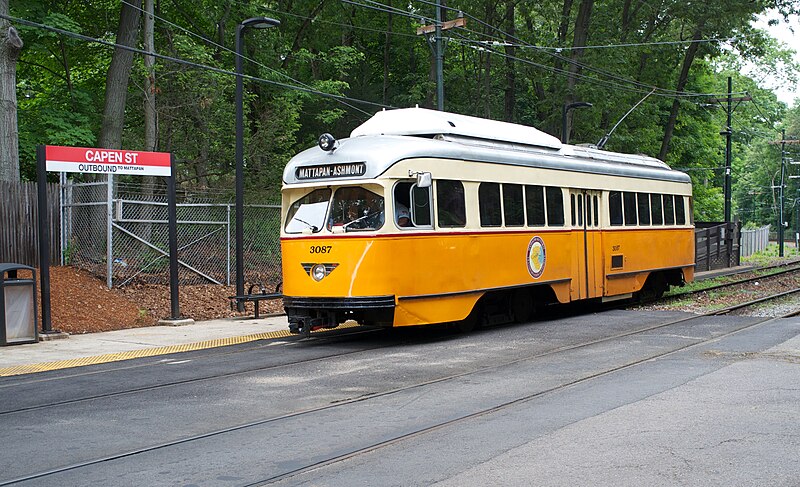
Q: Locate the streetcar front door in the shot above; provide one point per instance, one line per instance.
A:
(587, 279)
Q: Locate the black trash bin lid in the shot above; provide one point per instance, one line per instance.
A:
(7, 266)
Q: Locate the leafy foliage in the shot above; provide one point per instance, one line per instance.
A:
(514, 61)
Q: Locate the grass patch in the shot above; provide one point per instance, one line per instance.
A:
(770, 256)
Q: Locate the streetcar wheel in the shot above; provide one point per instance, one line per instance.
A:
(522, 305)
(469, 323)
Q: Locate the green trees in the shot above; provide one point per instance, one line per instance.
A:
(514, 61)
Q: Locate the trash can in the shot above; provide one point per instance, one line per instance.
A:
(18, 313)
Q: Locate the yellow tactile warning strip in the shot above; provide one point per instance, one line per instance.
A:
(150, 352)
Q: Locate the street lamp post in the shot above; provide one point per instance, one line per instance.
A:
(256, 23)
(565, 111)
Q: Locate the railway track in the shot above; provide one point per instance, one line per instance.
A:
(339, 336)
(365, 449)
(786, 268)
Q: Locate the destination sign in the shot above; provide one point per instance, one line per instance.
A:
(349, 169)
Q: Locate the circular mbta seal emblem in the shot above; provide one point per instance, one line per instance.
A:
(536, 257)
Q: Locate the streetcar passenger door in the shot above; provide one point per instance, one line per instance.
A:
(585, 221)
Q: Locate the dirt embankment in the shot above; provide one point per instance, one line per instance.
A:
(81, 303)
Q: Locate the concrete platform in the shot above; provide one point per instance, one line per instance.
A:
(96, 348)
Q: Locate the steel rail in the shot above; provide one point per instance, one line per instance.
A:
(193, 380)
(743, 281)
(506, 405)
(422, 431)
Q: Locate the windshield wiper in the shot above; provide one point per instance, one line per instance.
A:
(313, 228)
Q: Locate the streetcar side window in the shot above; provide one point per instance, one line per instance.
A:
(451, 209)
(513, 209)
(669, 210)
(489, 203)
(420, 206)
(555, 207)
(629, 201)
(308, 213)
(572, 220)
(534, 201)
(402, 204)
(596, 210)
(655, 207)
(680, 211)
(615, 207)
(643, 202)
(589, 212)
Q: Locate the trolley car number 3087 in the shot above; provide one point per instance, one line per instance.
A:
(320, 249)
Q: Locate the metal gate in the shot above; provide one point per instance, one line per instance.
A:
(120, 233)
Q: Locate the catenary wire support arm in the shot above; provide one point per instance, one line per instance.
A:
(607, 136)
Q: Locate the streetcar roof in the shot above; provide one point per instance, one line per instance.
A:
(378, 144)
(420, 121)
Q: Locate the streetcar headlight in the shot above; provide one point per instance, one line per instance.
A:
(327, 142)
(318, 272)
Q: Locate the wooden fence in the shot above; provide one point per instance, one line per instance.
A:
(19, 227)
(716, 245)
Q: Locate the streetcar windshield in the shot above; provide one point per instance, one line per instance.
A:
(308, 213)
(355, 208)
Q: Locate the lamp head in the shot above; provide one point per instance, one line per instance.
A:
(579, 104)
(260, 23)
(327, 142)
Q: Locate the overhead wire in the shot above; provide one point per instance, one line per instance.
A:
(244, 58)
(568, 60)
(339, 24)
(380, 7)
(86, 38)
(589, 79)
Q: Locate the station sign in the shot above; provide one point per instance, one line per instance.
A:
(107, 161)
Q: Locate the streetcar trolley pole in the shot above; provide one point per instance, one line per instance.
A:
(109, 162)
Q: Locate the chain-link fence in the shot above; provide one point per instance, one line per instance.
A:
(134, 220)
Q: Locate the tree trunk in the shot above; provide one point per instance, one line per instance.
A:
(563, 30)
(150, 114)
(10, 47)
(511, 74)
(386, 55)
(683, 78)
(579, 41)
(301, 32)
(150, 82)
(487, 63)
(119, 73)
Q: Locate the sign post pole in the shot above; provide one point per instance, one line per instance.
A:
(110, 231)
(175, 310)
(44, 238)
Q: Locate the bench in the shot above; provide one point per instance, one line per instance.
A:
(255, 298)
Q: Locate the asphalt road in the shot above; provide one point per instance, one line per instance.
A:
(594, 399)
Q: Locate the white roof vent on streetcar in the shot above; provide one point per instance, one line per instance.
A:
(420, 121)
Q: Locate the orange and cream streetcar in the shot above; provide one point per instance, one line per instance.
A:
(424, 217)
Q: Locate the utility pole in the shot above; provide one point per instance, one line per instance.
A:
(781, 223)
(439, 58)
(783, 169)
(438, 47)
(728, 132)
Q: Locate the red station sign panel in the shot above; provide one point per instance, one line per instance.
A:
(107, 161)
